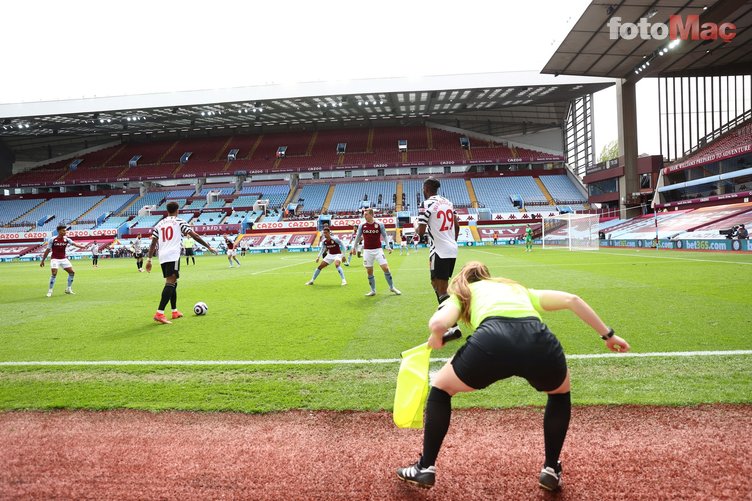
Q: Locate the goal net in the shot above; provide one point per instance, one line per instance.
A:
(571, 231)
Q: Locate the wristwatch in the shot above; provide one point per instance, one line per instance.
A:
(609, 335)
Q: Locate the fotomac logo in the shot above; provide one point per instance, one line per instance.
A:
(676, 29)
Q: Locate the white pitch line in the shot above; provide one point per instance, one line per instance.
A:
(676, 258)
(372, 361)
(280, 267)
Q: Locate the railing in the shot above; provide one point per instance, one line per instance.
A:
(712, 136)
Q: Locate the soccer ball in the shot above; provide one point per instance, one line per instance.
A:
(200, 308)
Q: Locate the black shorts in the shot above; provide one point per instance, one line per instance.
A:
(441, 268)
(504, 347)
(171, 268)
(138, 256)
(188, 252)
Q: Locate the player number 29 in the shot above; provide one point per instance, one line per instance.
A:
(446, 218)
(167, 233)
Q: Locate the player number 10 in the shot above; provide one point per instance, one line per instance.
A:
(167, 233)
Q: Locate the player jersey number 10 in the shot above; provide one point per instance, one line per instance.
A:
(167, 233)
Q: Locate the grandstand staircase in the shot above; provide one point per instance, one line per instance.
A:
(471, 193)
(328, 199)
(404, 156)
(514, 152)
(398, 205)
(369, 144)
(169, 150)
(545, 192)
(20, 218)
(254, 147)
(276, 163)
(429, 138)
(292, 196)
(218, 156)
(80, 218)
(124, 209)
(122, 172)
(63, 176)
(311, 143)
(468, 154)
(176, 170)
(122, 146)
(476, 235)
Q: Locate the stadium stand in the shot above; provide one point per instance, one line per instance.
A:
(494, 194)
(114, 204)
(149, 199)
(311, 198)
(112, 222)
(209, 218)
(196, 204)
(349, 196)
(222, 190)
(144, 221)
(275, 193)
(562, 190)
(14, 209)
(57, 210)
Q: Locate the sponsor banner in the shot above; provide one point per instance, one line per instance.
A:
(285, 225)
(26, 235)
(709, 158)
(340, 223)
(106, 232)
(505, 232)
(696, 244)
(727, 196)
(216, 228)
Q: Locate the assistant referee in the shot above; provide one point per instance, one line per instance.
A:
(509, 339)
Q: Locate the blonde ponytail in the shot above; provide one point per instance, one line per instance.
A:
(473, 271)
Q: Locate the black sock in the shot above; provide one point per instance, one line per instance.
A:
(167, 291)
(186, 261)
(438, 414)
(174, 298)
(193, 259)
(555, 425)
(138, 264)
(441, 297)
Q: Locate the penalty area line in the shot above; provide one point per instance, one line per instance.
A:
(373, 361)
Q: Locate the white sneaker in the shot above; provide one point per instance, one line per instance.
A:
(49, 293)
(344, 282)
(396, 291)
(371, 293)
(310, 282)
(69, 291)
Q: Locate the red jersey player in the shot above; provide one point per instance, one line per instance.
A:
(59, 258)
(332, 251)
(371, 232)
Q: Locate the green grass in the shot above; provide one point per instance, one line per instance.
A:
(658, 300)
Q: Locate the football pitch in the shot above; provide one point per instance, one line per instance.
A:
(270, 343)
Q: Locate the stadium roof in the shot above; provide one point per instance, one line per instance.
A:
(589, 50)
(497, 104)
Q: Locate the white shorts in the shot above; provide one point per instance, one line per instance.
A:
(60, 263)
(371, 255)
(232, 253)
(330, 258)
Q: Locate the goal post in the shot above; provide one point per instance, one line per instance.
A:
(571, 232)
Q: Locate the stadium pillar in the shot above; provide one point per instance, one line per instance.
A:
(626, 104)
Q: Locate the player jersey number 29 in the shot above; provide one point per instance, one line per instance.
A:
(447, 219)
